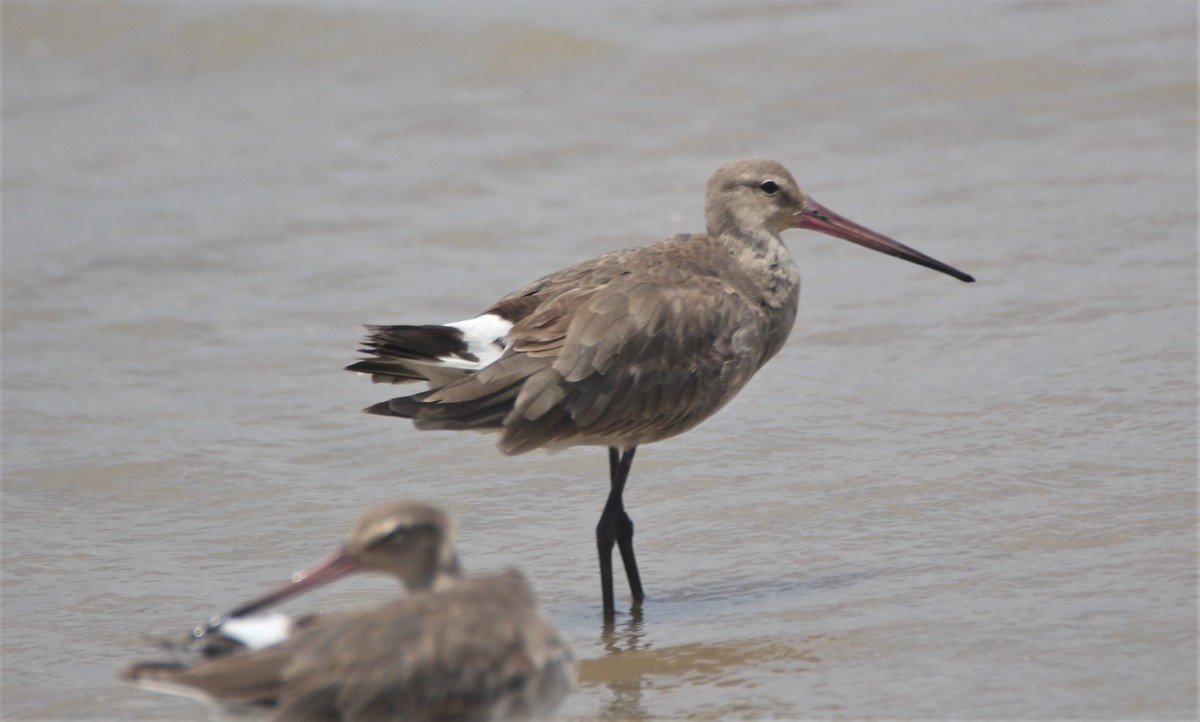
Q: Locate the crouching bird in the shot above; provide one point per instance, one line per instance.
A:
(455, 649)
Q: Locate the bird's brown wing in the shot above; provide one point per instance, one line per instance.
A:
(448, 656)
(237, 679)
(638, 356)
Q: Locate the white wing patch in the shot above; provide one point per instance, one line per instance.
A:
(486, 337)
(258, 632)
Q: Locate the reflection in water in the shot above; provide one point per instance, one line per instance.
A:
(745, 591)
(632, 664)
(628, 636)
(618, 640)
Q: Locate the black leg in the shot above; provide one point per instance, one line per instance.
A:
(605, 538)
(615, 526)
(625, 531)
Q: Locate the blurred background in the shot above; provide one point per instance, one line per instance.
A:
(939, 500)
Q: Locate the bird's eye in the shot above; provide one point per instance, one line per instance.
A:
(769, 187)
(395, 534)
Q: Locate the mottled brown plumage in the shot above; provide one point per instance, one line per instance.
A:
(634, 346)
(455, 649)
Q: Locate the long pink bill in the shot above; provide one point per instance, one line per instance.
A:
(818, 218)
(335, 566)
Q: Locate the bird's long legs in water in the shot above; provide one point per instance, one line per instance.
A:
(615, 526)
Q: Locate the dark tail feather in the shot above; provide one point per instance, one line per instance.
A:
(419, 343)
(392, 346)
(152, 670)
(486, 412)
(384, 408)
(404, 407)
(385, 372)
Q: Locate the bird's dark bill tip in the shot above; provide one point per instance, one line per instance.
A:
(817, 217)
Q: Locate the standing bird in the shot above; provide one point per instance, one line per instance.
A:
(628, 348)
(456, 649)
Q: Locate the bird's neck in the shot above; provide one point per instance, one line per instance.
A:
(767, 264)
(766, 273)
(447, 573)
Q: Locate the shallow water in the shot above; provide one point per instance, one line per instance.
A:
(940, 500)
